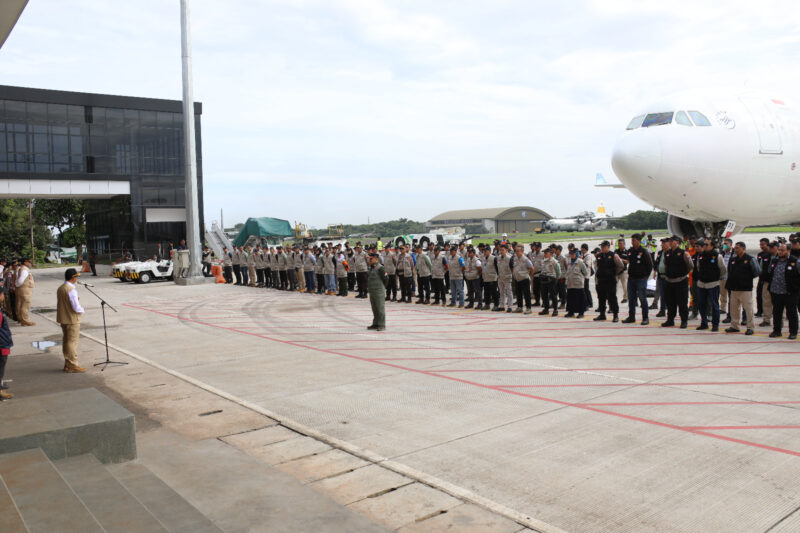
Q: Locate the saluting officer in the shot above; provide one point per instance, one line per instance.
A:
(376, 286)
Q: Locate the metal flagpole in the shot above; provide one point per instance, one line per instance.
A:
(190, 156)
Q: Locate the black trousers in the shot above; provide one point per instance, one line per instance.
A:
(561, 289)
(276, 279)
(490, 294)
(760, 298)
(362, 283)
(260, 276)
(94, 268)
(439, 294)
(14, 306)
(424, 288)
(391, 287)
(474, 291)
(206, 268)
(588, 294)
(781, 303)
(227, 273)
(537, 290)
(3, 360)
(607, 295)
(284, 283)
(548, 290)
(523, 290)
(405, 289)
(237, 275)
(446, 282)
(677, 299)
(268, 277)
(351, 280)
(320, 283)
(576, 301)
(343, 285)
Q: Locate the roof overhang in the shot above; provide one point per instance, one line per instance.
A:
(10, 10)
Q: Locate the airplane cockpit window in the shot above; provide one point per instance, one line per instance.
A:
(657, 119)
(681, 118)
(636, 122)
(699, 118)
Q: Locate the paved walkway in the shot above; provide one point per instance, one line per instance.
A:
(575, 424)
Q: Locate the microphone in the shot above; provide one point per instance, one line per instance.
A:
(85, 284)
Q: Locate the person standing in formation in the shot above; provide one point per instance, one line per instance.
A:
(376, 288)
(24, 285)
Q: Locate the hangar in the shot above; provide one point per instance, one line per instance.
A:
(519, 219)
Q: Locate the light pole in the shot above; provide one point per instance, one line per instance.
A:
(189, 153)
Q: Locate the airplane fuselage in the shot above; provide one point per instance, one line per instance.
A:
(711, 158)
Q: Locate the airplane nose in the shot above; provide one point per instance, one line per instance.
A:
(636, 157)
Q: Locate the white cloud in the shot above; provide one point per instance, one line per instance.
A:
(322, 111)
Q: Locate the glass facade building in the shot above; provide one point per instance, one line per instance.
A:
(51, 136)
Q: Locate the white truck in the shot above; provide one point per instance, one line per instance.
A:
(119, 270)
(146, 271)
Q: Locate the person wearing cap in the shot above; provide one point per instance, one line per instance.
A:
(551, 271)
(376, 288)
(742, 269)
(472, 278)
(360, 266)
(609, 265)
(489, 275)
(522, 269)
(536, 256)
(709, 267)
(561, 286)
(659, 272)
(390, 267)
(575, 277)
(6, 343)
(640, 267)
(677, 265)
(424, 267)
(784, 284)
(505, 283)
(23, 286)
(237, 266)
(69, 313)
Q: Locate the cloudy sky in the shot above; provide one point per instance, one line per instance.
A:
(327, 111)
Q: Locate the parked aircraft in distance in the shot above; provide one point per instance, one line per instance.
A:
(585, 221)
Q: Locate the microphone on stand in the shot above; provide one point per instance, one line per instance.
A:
(84, 284)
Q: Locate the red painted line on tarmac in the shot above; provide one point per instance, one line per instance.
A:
(718, 428)
(692, 367)
(632, 345)
(665, 384)
(591, 356)
(495, 388)
(665, 404)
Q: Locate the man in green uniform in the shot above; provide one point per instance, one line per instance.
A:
(376, 287)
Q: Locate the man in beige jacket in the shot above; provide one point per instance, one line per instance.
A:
(69, 313)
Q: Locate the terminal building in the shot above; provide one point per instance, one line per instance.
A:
(519, 219)
(124, 155)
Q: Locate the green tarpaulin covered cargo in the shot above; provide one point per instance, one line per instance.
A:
(263, 227)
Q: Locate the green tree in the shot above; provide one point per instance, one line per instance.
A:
(15, 237)
(69, 219)
(643, 220)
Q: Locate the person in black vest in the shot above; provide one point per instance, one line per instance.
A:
(709, 268)
(784, 285)
(640, 267)
(659, 272)
(742, 268)
(622, 277)
(609, 266)
(677, 265)
(764, 257)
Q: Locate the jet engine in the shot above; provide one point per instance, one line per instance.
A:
(685, 228)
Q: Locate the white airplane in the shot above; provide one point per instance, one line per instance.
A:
(716, 162)
(586, 221)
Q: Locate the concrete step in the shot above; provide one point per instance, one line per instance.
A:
(170, 508)
(10, 519)
(69, 423)
(44, 499)
(117, 510)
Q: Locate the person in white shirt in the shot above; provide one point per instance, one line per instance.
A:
(69, 313)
